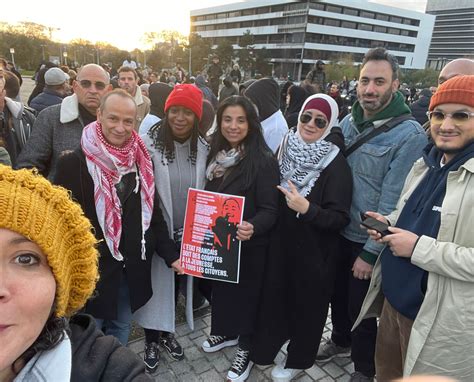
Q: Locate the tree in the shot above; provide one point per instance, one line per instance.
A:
(246, 52)
(225, 51)
(262, 64)
(200, 49)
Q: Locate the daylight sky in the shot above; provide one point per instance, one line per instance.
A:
(124, 25)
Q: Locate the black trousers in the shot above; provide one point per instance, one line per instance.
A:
(346, 302)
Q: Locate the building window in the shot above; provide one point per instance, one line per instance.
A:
(210, 17)
(246, 24)
(278, 8)
(333, 9)
(348, 24)
(296, 20)
(318, 6)
(382, 17)
(278, 21)
(393, 31)
(248, 12)
(367, 15)
(263, 10)
(365, 27)
(379, 29)
(222, 15)
(332, 22)
(350, 11)
(276, 39)
(260, 39)
(261, 23)
(396, 19)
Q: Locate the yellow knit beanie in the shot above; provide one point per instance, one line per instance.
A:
(46, 215)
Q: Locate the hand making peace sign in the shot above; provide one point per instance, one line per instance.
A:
(294, 200)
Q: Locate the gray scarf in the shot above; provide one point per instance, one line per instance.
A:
(222, 161)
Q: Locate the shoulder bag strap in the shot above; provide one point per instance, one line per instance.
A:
(387, 126)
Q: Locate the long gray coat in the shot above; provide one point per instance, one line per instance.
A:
(159, 312)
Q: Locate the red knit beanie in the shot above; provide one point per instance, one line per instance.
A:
(319, 104)
(188, 96)
(459, 89)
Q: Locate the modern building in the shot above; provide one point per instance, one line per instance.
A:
(453, 34)
(297, 33)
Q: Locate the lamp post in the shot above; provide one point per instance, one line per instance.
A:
(42, 51)
(12, 52)
(65, 57)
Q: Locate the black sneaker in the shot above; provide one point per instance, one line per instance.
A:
(241, 366)
(215, 343)
(151, 357)
(174, 349)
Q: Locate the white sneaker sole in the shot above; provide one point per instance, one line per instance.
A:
(220, 346)
(244, 376)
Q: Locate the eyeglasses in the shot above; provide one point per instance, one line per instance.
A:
(458, 117)
(318, 121)
(86, 84)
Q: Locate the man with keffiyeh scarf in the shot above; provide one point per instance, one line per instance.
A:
(113, 181)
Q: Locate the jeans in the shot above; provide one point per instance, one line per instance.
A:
(346, 302)
(120, 327)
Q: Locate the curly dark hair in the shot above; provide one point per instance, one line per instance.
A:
(256, 150)
(52, 334)
(163, 140)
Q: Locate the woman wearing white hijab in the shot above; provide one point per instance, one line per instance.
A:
(316, 186)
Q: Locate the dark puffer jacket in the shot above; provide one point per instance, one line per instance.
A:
(47, 98)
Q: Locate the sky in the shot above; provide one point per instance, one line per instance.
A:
(124, 25)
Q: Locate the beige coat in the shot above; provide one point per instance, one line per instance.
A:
(442, 337)
(143, 106)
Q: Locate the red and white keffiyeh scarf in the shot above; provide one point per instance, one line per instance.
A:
(107, 164)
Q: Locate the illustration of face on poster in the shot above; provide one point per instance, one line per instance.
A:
(231, 210)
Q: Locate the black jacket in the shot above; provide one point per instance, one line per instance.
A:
(234, 306)
(72, 173)
(97, 357)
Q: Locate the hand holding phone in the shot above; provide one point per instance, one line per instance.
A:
(374, 224)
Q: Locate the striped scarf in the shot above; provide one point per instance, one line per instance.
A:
(107, 164)
(302, 163)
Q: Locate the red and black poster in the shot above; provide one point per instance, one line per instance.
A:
(210, 248)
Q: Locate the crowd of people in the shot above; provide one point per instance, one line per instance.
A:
(94, 178)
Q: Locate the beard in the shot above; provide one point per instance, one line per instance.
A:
(377, 104)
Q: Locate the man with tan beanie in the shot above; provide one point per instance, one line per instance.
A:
(423, 280)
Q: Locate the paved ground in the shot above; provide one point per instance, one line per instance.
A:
(212, 367)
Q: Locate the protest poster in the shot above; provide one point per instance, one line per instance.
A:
(209, 247)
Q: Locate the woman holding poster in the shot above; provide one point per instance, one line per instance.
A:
(240, 163)
(179, 157)
(316, 189)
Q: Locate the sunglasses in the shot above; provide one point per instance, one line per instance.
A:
(458, 117)
(86, 84)
(318, 121)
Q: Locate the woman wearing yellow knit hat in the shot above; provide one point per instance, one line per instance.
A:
(48, 270)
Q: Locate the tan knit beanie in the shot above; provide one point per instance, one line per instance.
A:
(459, 89)
(46, 214)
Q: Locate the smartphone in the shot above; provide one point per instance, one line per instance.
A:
(374, 224)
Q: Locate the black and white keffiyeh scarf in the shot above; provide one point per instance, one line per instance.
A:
(302, 163)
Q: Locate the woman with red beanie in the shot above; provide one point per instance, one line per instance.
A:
(179, 158)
